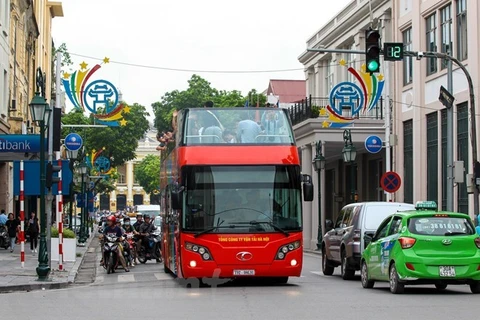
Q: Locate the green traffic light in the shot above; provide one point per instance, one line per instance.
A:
(372, 66)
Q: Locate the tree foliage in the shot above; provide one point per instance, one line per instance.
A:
(120, 143)
(66, 58)
(147, 173)
(198, 92)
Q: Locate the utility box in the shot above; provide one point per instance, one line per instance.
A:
(458, 172)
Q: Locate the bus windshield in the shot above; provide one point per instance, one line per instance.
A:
(237, 126)
(241, 199)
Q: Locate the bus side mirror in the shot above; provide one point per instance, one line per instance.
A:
(176, 197)
(307, 188)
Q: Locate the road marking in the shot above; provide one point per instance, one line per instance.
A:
(126, 278)
(162, 276)
(319, 273)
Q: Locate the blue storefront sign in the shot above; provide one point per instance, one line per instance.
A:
(20, 143)
(31, 170)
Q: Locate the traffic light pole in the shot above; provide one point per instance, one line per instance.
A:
(473, 138)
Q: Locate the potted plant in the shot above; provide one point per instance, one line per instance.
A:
(69, 245)
(315, 112)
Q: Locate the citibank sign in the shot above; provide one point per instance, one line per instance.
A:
(20, 143)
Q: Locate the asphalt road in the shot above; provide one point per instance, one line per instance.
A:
(149, 293)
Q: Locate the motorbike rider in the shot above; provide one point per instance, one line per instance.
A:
(139, 222)
(112, 228)
(144, 231)
(128, 228)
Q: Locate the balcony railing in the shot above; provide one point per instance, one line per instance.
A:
(310, 108)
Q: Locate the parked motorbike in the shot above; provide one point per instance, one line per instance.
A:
(110, 253)
(4, 238)
(153, 251)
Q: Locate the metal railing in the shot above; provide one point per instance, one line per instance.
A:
(310, 108)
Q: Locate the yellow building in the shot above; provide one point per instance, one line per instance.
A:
(30, 42)
(128, 192)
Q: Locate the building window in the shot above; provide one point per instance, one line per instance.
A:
(408, 161)
(462, 50)
(407, 61)
(431, 43)
(432, 156)
(121, 178)
(446, 27)
(443, 115)
(329, 77)
(462, 153)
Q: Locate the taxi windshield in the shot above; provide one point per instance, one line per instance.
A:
(237, 126)
(440, 226)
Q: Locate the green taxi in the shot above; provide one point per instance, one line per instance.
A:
(423, 246)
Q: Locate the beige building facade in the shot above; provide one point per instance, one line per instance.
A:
(128, 192)
(25, 30)
(340, 182)
(448, 26)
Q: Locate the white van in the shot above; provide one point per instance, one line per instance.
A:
(153, 210)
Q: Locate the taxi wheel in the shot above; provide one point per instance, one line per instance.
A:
(366, 283)
(441, 286)
(475, 287)
(327, 268)
(346, 272)
(396, 287)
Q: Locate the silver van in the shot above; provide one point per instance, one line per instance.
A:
(345, 241)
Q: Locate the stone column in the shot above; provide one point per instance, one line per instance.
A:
(315, 202)
(129, 178)
(307, 206)
(113, 201)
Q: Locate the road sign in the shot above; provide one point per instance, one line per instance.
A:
(373, 144)
(390, 182)
(446, 98)
(73, 142)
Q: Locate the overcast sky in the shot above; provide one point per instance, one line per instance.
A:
(214, 35)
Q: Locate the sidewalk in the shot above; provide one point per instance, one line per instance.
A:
(15, 278)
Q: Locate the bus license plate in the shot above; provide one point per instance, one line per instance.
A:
(243, 272)
(447, 271)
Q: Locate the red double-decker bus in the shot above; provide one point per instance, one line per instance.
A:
(231, 195)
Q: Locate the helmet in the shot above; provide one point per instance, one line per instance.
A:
(146, 216)
(139, 214)
(127, 218)
(112, 218)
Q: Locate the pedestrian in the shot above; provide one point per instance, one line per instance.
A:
(33, 228)
(12, 226)
(3, 217)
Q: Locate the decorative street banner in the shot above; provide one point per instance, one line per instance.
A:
(357, 98)
(99, 163)
(99, 96)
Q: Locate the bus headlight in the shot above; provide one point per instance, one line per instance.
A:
(202, 251)
(283, 250)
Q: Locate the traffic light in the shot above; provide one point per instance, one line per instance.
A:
(50, 178)
(372, 50)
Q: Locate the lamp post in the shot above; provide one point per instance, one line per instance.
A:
(72, 156)
(319, 165)
(83, 171)
(40, 112)
(349, 153)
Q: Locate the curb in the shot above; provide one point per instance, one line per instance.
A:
(32, 287)
(72, 274)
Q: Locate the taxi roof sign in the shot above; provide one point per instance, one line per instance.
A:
(426, 205)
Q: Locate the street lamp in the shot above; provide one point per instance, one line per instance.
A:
(40, 112)
(82, 169)
(349, 153)
(72, 155)
(319, 165)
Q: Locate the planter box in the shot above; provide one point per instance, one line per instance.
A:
(69, 250)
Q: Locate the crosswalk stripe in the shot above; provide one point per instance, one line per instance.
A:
(162, 276)
(126, 278)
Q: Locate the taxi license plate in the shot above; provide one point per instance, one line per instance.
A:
(447, 271)
(243, 272)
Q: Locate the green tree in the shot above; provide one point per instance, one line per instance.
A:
(66, 58)
(147, 173)
(198, 92)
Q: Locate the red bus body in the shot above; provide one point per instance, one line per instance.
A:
(230, 254)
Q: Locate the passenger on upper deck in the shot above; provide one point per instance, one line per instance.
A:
(247, 130)
(272, 124)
